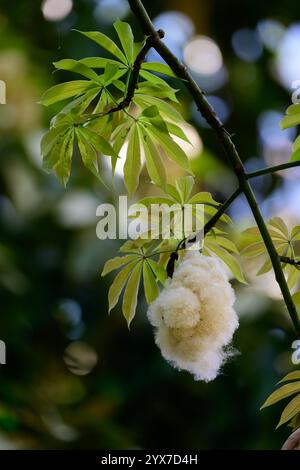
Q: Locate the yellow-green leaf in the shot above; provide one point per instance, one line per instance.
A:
(116, 263)
(126, 38)
(118, 285)
(64, 91)
(105, 42)
(132, 167)
(281, 393)
(292, 409)
(295, 375)
(150, 285)
(131, 293)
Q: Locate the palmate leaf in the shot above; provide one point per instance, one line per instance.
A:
(292, 410)
(150, 285)
(158, 68)
(126, 38)
(105, 42)
(283, 392)
(66, 90)
(134, 263)
(131, 292)
(132, 166)
(211, 246)
(291, 119)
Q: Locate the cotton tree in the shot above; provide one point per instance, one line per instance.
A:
(124, 99)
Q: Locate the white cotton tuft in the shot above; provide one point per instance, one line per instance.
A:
(194, 316)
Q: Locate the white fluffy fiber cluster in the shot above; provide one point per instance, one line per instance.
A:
(194, 317)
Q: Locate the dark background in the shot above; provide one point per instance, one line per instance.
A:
(51, 291)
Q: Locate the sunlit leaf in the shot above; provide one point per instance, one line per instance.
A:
(116, 263)
(295, 375)
(159, 68)
(105, 42)
(184, 187)
(77, 67)
(150, 285)
(292, 409)
(131, 292)
(132, 166)
(118, 284)
(281, 393)
(64, 91)
(126, 38)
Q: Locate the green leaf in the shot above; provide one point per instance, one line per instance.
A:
(150, 285)
(131, 293)
(293, 275)
(118, 284)
(50, 138)
(77, 67)
(203, 198)
(295, 234)
(184, 187)
(290, 121)
(156, 81)
(296, 298)
(132, 166)
(173, 150)
(296, 144)
(176, 130)
(112, 73)
(225, 243)
(295, 375)
(63, 166)
(157, 90)
(267, 266)
(295, 156)
(147, 201)
(88, 154)
(172, 191)
(293, 109)
(116, 263)
(154, 164)
(100, 62)
(228, 259)
(281, 393)
(254, 249)
(158, 68)
(126, 38)
(100, 144)
(165, 109)
(64, 91)
(279, 225)
(292, 409)
(159, 271)
(104, 42)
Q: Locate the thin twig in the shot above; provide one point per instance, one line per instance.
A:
(287, 260)
(272, 169)
(225, 139)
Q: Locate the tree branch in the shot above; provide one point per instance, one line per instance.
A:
(272, 169)
(224, 137)
(151, 40)
(287, 260)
